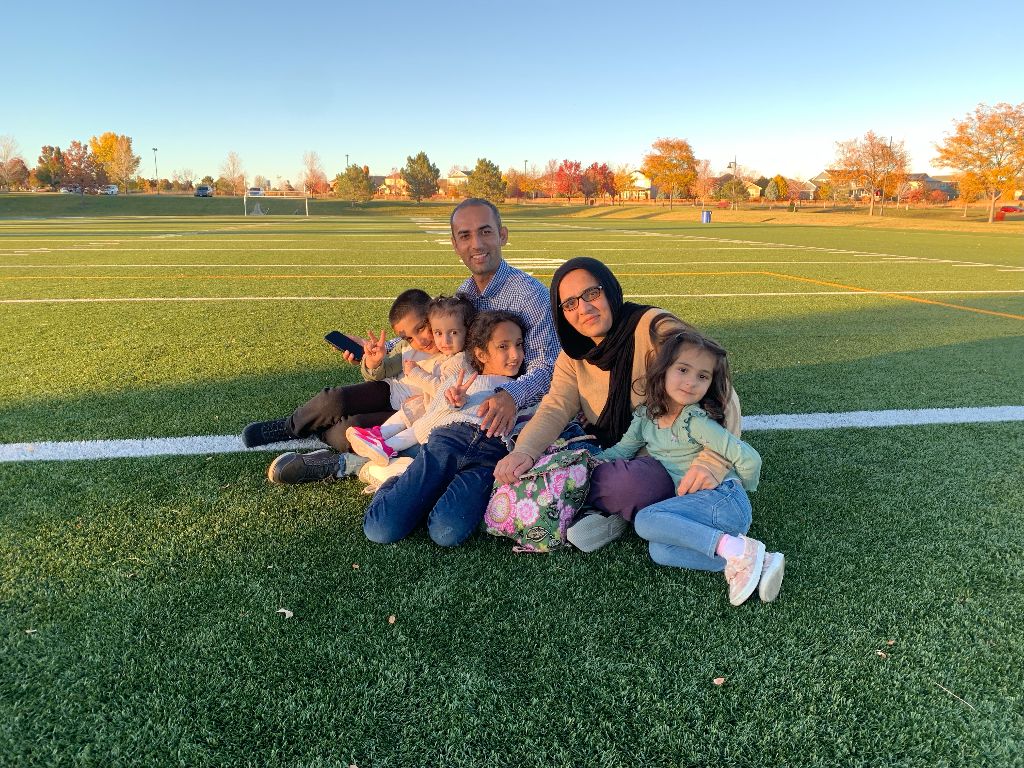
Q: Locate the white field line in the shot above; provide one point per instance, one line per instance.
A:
(210, 444)
(699, 239)
(514, 261)
(763, 294)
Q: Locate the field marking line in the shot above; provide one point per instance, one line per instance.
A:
(514, 261)
(211, 444)
(201, 299)
(705, 238)
(901, 296)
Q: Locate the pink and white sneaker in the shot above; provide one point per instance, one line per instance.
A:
(771, 576)
(744, 571)
(369, 445)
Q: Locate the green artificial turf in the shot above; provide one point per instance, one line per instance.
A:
(138, 597)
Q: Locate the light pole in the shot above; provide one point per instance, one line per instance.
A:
(156, 173)
(524, 170)
(735, 177)
(346, 159)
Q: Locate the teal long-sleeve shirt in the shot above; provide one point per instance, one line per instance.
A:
(676, 446)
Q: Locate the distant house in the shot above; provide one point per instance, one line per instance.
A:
(393, 185)
(851, 188)
(457, 178)
(753, 190)
(801, 190)
(641, 188)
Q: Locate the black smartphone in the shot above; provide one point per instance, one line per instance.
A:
(341, 342)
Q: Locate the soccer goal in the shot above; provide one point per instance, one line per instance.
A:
(273, 204)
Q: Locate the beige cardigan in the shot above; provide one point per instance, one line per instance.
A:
(580, 386)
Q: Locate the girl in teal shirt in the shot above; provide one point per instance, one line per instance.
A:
(686, 389)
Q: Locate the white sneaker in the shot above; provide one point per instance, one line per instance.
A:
(594, 530)
(744, 572)
(771, 576)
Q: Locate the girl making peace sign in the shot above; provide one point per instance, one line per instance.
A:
(450, 480)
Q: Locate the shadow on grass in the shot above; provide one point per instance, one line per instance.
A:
(153, 585)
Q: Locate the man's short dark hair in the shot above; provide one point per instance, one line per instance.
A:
(471, 201)
(412, 300)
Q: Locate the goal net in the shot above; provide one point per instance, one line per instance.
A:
(273, 204)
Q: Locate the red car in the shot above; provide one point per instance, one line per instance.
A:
(1011, 209)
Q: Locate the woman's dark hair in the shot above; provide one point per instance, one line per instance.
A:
(653, 383)
(453, 305)
(480, 334)
(412, 300)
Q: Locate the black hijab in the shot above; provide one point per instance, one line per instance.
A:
(615, 352)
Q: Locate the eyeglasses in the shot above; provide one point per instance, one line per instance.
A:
(590, 296)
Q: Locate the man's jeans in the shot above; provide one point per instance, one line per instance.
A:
(683, 531)
(449, 484)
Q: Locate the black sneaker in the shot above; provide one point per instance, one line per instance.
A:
(293, 468)
(265, 432)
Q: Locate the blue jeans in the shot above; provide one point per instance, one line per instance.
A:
(683, 531)
(448, 483)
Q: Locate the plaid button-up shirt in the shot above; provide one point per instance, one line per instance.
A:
(512, 290)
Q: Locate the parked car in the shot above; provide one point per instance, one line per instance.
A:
(204, 190)
(109, 189)
(74, 190)
(255, 191)
(1012, 209)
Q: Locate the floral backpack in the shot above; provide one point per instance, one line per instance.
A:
(535, 510)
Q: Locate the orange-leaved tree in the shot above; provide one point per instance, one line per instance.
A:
(114, 154)
(871, 162)
(671, 166)
(988, 143)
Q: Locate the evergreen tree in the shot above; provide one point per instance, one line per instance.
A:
(485, 181)
(354, 184)
(421, 176)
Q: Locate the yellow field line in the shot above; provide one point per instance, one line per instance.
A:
(891, 295)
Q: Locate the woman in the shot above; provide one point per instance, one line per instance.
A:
(606, 345)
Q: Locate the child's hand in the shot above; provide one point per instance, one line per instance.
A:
(697, 478)
(373, 350)
(456, 395)
(407, 366)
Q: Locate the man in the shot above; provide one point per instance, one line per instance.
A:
(477, 237)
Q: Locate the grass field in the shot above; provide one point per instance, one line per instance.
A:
(139, 596)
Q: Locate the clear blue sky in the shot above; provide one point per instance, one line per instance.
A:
(774, 84)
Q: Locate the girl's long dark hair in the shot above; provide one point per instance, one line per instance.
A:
(480, 331)
(652, 386)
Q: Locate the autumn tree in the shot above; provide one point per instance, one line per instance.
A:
(597, 180)
(530, 181)
(569, 179)
(113, 153)
(80, 167)
(13, 171)
(870, 161)
(704, 182)
(485, 182)
(50, 170)
(232, 175)
(183, 178)
(671, 166)
(354, 184)
(313, 177)
(622, 178)
(988, 143)
(970, 187)
(421, 175)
